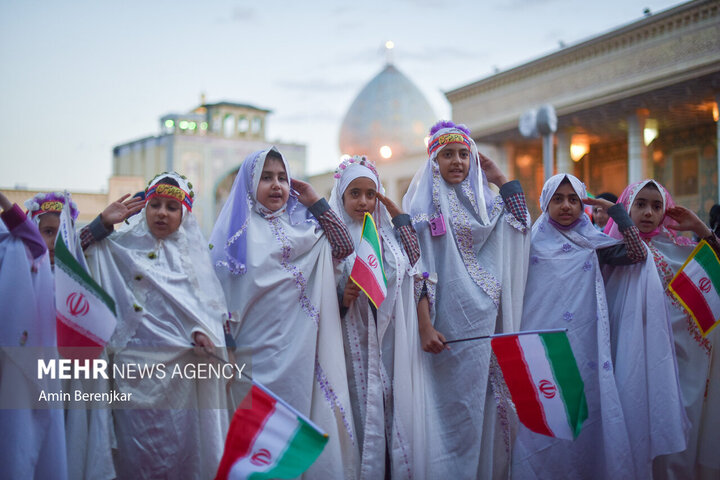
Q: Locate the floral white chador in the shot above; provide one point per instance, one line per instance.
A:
(165, 290)
(276, 269)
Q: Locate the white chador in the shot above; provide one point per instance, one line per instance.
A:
(383, 355)
(276, 269)
(565, 290)
(32, 442)
(480, 263)
(165, 290)
(697, 356)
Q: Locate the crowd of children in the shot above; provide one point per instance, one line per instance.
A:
(397, 398)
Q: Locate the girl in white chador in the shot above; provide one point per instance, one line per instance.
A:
(382, 346)
(159, 272)
(273, 250)
(652, 209)
(474, 247)
(32, 443)
(568, 251)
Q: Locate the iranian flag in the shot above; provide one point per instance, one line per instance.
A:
(85, 313)
(544, 381)
(269, 439)
(367, 271)
(697, 286)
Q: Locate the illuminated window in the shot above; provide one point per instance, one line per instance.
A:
(256, 125)
(243, 124)
(228, 125)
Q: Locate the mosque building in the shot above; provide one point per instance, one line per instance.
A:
(639, 101)
(207, 144)
(388, 122)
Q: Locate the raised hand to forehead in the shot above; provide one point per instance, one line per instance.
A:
(392, 208)
(305, 192)
(598, 202)
(121, 209)
(492, 171)
(687, 220)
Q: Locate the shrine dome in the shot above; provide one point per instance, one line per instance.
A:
(389, 118)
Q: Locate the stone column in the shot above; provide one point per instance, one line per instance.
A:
(637, 152)
(564, 162)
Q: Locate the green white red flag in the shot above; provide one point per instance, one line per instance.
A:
(269, 439)
(85, 313)
(368, 271)
(544, 381)
(697, 286)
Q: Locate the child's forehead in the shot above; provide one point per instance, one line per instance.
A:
(455, 147)
(273, 164)
(649, 194)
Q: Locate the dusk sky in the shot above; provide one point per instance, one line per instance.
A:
(81, 76)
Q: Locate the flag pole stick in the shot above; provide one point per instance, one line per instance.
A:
(264, 389)
(496, 335)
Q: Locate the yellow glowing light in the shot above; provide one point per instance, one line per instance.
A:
(389, 44)
(716, 115)
(579, 147)
(523, 161)
(385, 152)
(650, 132)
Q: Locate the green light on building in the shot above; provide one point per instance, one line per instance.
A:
(183, 125)
(169, 123)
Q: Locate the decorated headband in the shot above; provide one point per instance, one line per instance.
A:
(170, 191)
(447, 138)
(51, 202)
(355, 159)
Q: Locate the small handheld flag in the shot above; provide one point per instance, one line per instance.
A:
(85, 313)
(269, 439)
(697, 286)
(544, 382)
(368, 271)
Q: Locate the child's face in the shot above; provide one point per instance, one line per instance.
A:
(647, 209)
(164, 216)
(360, 197)
(600, 216)
(565, 206)
(454, 163)
(48, 226)
(273, 189)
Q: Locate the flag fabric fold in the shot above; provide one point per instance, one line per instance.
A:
(269, 439)
(85, 313)
(697, 286)
(544, 381)
(368, 271)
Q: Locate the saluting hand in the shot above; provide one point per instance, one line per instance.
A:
(392, 208)
(121, 209)
(305, 192)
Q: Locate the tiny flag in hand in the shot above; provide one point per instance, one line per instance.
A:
(85, 313)
(269, 439)
(697, 286)
(544, 382)
(367, 271)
